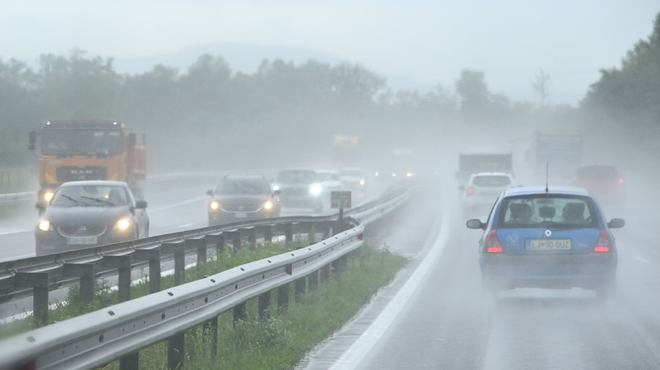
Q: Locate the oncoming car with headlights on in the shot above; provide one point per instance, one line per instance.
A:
(240, 197)
(88, 213)
(300, 188)
(554, 238)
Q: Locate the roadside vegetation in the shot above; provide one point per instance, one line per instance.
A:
(276, 343)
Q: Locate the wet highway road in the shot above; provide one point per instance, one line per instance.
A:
(435, 317)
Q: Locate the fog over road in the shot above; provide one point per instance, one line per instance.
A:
(434, 316)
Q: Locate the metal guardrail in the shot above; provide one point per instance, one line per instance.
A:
(99, 337)
(17, 197)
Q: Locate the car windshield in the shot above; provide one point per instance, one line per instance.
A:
(81, 141)
(90, 196)
(547, 211)
(242, 187)
(296, 177)
(328, 176)
(351, 173)
(491, 181)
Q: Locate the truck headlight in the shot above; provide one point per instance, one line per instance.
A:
(44, 225)
(214, 205)
(123, 224)
(268, 204)
(315, 189)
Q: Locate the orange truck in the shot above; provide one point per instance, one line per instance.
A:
(88, 149)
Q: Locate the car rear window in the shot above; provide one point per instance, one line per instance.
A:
(491, 181)
(547, 211)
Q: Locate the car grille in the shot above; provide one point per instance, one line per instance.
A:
(241, 206)
(73, 173)
(72, 231)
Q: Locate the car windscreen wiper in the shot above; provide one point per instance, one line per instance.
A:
(99, 200)
(72, 199)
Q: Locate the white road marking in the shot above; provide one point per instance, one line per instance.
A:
(359, 349)
(189, 201)
(642, 259)
(13, 231)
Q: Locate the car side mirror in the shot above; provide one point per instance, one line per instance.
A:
(475, 224)
(209, 192)
(616, 223)
(277, 192)
(40, 205)
(141, 204)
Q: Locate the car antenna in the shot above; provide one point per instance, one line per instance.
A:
(546, 176)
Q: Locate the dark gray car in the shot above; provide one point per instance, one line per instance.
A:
(88, 213)
(241, 197)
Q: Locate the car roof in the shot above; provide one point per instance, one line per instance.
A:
(94, 182)
(327, 171)
(529, 190)
(297, 169)
(245, 177)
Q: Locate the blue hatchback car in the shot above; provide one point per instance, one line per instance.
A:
(553, 237)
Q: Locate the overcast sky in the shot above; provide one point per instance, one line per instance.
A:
(427, 42)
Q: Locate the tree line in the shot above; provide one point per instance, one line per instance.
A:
(211, 116)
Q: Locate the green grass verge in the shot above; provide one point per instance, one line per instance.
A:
(281, 341)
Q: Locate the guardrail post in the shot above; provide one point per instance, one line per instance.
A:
(252, 238)
(236, 240)
(300, 289)
(288, 234)
(175, 348)
(240, 312)
(268, 234)
(179, 251)
(123, 265)
(264, 306)
(314, 280)
(38, 281)
(283, 298)
(85, 271)
(130, 362)
(219, 241)
(325, 273)
(200, 245)
(153, 256)
(211, 328)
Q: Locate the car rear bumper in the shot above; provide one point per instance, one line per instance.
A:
(589, 271)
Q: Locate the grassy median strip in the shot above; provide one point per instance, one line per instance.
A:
(281, 341)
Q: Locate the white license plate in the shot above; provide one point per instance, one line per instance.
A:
(78, 240)
(240, 215)
(549, 244)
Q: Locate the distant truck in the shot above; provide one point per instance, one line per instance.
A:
(561, 150)
(88, 149)
(346, 151)
(477, 160)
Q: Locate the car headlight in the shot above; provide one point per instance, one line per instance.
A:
(268, 204)
(315, 189)
(276, 187)
(214, 205)
(123, 224)
(361, 182)
(44, 225)
(48, 195)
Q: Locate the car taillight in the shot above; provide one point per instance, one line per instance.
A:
(493, 243)
(603, 244)
(469, 191)
(620, 181)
